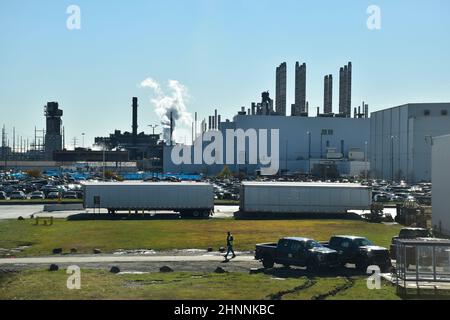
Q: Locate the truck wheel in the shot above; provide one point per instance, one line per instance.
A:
(312, 265)
(206, 214)
(196, 214)
(268, 262)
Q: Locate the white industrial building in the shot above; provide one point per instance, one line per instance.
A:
(400, 140)
(304, 144)
(440, 179)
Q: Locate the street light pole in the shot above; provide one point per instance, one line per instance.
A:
(392, 158)
(309, 152)
(153, 126)
(365, 159)
(82, 135)
(104, 147)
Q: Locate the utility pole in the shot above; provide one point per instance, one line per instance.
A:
(309, 152)
(14, 141)
(4, 148)
(392, 158)
(365, 160)
(104, 147)
(286, 156)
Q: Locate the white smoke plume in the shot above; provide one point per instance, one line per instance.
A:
(174, 102)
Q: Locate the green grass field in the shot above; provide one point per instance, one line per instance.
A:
(98, 285)
(175, 234)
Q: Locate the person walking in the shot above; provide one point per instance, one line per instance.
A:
(230, 241)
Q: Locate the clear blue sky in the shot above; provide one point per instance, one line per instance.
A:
(224, 51)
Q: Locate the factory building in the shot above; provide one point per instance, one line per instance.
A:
(280, 89)
(400, 140)
(322, 146)
(53, 135)
(440, 179)
(140, 146)
(299, 108)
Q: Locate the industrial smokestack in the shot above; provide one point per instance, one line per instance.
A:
(219, 117)
(195, 126)
(171, 128)
(135, 118)
(215, 119)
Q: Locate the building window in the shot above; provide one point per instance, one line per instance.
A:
(426, 113)
(444, 112)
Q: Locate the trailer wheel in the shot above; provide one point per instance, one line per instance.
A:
(268, 262)
(196, 214)
(206, 214)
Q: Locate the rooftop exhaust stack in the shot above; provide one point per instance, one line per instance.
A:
(135, 118)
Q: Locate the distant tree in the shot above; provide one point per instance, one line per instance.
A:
(34, 173)
(225, 173)
(109, 174)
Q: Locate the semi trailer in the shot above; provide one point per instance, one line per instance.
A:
(189, 199)
(260, 199)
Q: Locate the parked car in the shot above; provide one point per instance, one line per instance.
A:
(37, 195)
(53, 195)
(70, 195)
(17, 195)
(408, 233)
(3, 195)
(360, 251)
(382, 197)
(296, 251)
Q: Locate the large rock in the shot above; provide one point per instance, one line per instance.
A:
(73, 250)
(20, 218)
(57, 251)
(256, 270)
(210, 249)
(220, 270)
(222, 249)
(114, 269)
(53, 267)
(165, 269)
(97, 251)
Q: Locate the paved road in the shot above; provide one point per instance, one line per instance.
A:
(25, 211)
(13, 212)
(115, 258)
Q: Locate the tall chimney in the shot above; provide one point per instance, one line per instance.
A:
(135, 118)
(171, 129)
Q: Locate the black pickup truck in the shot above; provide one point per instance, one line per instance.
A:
(295, 251)
(359, 251)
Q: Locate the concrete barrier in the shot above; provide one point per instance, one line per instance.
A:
(63, 207)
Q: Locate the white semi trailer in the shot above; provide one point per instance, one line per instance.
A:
(278, 198)
(190, 199)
